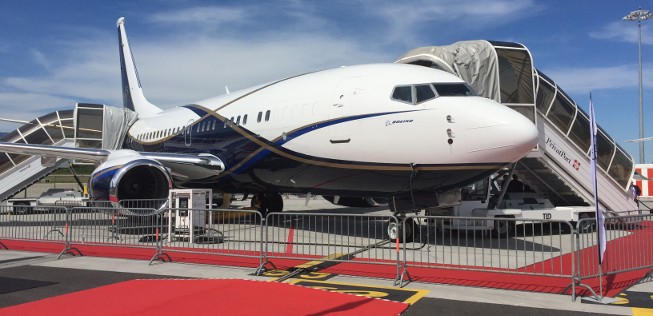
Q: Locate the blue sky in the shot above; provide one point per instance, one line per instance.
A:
(56, 53)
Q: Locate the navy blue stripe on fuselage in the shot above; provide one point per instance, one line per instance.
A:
(279, 142)
(201, 112)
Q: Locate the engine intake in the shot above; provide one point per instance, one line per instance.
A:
(138, 179)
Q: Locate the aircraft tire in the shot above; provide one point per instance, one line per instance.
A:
(260, 202)
(275, 202)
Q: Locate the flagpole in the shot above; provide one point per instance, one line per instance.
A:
(600, 220)
(599, 216)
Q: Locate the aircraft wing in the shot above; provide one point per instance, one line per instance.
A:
(170, 160)
(55, 151)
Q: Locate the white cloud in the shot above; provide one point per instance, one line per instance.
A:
(625, 31)
(208, 15)
(188, 60)
(596, 78)
(40, 59)
(27, 106)
(183, 66)
(406, 18)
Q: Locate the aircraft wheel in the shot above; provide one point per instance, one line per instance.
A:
(275, 202)
(260, 202)
(267, 202)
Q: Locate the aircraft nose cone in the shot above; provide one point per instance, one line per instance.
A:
(501, 134)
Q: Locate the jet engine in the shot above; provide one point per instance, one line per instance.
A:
(126, 175)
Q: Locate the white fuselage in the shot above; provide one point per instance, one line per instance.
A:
(482, 131)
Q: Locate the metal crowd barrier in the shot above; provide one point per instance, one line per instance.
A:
(221, 232)
(516, 246)
(30, 223)
(630, 246)
(501, 245)
(329, 238)
(111, 226)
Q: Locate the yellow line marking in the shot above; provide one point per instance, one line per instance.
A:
(317, 262)
(641, 311)
(411, 300)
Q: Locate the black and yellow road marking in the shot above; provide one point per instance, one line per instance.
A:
(319, 264)
(640, 303)
(634, 299)
(306, 274)
(405, 295)
(310, 275)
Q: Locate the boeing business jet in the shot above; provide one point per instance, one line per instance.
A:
(381, 130)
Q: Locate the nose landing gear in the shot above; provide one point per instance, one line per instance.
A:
(402, 230)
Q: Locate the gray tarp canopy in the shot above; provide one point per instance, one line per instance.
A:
(115, 125)
(473, 61)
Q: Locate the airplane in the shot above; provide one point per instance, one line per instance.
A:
(393, 131)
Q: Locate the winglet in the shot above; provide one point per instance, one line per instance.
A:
(132, 93)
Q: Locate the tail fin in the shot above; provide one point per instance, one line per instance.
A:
(132, 93)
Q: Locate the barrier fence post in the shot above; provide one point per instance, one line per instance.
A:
(263, 258)
(402, 270)
(68, 249)
(159, 223)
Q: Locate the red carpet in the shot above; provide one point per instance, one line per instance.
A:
(203, 297)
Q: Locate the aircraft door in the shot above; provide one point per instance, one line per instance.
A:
(340, 109)
(188, 131)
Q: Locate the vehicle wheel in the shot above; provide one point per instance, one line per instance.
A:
(21, 208)
(585, 224)
(503, 228)
(395, 231)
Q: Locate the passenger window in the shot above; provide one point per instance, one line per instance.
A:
(267, 115)
(403, 93)
(245, 119)
(238, 120)
(260, 115)
(423, 93)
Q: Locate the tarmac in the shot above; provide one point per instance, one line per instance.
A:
(71, 274)
(42, 275)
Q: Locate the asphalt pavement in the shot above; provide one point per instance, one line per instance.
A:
(31, 276)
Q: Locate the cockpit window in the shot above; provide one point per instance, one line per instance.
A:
(423, 93)
(416, 94)
(403, 93)
(453, 89)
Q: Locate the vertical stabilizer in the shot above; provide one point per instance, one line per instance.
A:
(132, 93)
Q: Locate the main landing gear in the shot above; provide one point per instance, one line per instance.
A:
(267, 202)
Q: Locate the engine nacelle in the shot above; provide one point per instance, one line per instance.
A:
(126, 175)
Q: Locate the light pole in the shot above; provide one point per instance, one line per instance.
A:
(639, 16)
